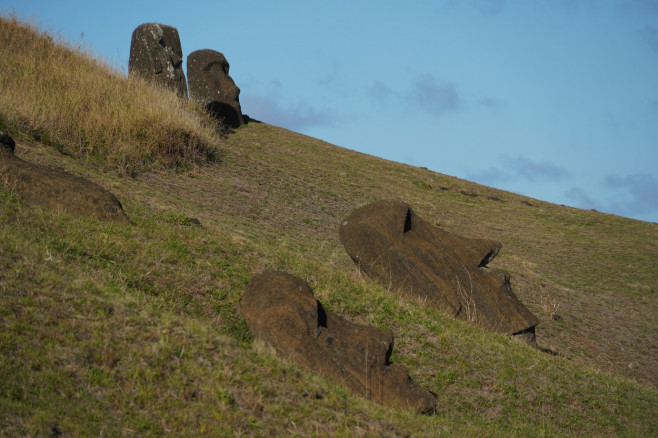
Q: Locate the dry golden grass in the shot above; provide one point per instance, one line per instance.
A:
(69, 100)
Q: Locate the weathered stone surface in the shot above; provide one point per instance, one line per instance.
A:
(390, 243)
(156, 54)
(211, 85)
(280, 309)
(44, 187)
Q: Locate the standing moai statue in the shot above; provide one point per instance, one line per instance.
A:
(210, 85)
(156, 54)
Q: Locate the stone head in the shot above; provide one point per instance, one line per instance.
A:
(389, 242)
(156, 54)
(211, 85)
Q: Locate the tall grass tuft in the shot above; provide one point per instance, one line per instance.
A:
(69, 100)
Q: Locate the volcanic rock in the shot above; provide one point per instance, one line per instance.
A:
(280, 310)
(390, 243)
(211, 85)
(156, 55)
(45, 187)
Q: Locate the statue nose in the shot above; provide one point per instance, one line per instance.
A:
(236, 90)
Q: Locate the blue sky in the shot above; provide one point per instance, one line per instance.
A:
(553, 99)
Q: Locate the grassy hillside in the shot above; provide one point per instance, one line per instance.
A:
(136, 330)
(83, 108)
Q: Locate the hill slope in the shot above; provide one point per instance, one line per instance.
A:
(136, 329)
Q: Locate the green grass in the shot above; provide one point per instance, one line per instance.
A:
(136, 330)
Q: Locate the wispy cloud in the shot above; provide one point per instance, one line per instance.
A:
(434, 96)
(538, 170)
(639, 192)
(270, 102)
(492, 7)
(520, 169)
(588, 7)
(491, 103)
(428, 93)
(653, 105)
(631, 195)
(650, 36)
(484, 7)
(424, 92)
(378, 91)
(296, 117)
(581, 199)
(641, 7)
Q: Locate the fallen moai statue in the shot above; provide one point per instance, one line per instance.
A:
(50, 188)
(390, 243)
(211, 85)
(156, 55)
(280, 310)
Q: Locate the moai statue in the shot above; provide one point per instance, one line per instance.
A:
(281, 311)
(210, 85)
(156, 54)
(389, 242)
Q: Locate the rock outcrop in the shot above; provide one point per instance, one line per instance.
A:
(390, 243)
(156, 55)
(44, 187)
(280, 310)
(211, 85)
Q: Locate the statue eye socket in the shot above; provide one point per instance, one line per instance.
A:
(407, 221)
